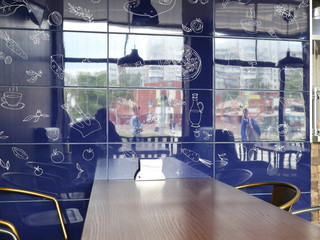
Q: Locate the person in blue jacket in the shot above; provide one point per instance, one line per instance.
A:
(250, 133)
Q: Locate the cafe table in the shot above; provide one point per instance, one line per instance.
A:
(186, 209)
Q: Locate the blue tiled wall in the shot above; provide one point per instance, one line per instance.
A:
(68, 99)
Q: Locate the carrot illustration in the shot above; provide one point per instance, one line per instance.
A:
(13, 45)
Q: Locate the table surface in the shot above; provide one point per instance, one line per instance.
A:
(186, 209)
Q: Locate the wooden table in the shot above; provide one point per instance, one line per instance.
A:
(186, 209)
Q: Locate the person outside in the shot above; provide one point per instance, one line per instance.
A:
(136, 126)
(250, 133)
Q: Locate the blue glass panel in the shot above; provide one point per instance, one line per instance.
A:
(62, 115)
(176, 160)
(276, 116)
(64, 171)
(165, 115)
(169, 17)
(273, 19)
(261, 64)
(167, 61)
(38, 219)
(283, 162)
(28, 58)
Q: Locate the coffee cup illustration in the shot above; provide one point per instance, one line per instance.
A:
(12, 100)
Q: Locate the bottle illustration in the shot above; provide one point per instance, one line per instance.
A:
(195, 113)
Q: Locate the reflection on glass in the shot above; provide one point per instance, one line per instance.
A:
(163, 59)
(267, 109)
(159, 111)
(259, 64)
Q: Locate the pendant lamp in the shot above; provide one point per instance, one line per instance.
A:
(131, 60)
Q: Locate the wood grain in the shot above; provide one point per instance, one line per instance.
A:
(186, 209)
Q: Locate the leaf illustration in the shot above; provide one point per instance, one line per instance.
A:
(5, 165)
(31, 73)
(36, 119)
(80, 170)
(29, 118)
(33, 79)
(3, 137)
(81, 12)
(20, 153)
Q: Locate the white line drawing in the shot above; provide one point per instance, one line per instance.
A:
(252, 152)
(38, 35)
(191, 64)
(283, 129)
(36, 116)
(8, 9)
(86, 60)
(57, 65)
(55, 18)
(196, 26)
(38, 171)
(195, 157)
(176, 102)
(6, 59)
(80, 170)
(288, 14)
(81, 12)
(223, 160)
(279, 148)
(3, 136)
(207, 135)
(201, 1)
(53, 133)
(87, 126)
(57, 156)
(179, 172)
(229, 132)
(272, 33)
(12, 100)
(129, 154)
(272, 170)
(304, 3)
(95, 1)
(251, 14)
(88, 154)
(298, 156)
(291, 76)
(13, 45)
(195, 112)
(186, 28)
(5, 165)
(132, 5)
(196, 133)
(251, 26)
(227, 2)
(20, 153)
(33, 75)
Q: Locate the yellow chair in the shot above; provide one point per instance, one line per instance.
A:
(11, 226)
(306, 210)
(9, 230)
(284, 195)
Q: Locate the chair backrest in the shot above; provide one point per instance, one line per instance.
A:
(306, 210)
(42, 196)
(284, 195)
(9, 230)
(8, 233)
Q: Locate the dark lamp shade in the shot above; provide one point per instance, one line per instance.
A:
(131, 60)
